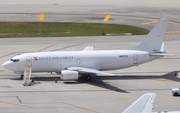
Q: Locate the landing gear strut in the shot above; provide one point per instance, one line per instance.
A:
(88, 77)
(21, 77)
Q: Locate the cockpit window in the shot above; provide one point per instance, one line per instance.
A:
(15, 60)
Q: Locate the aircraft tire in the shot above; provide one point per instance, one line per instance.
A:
(88, 77)
(175, 94)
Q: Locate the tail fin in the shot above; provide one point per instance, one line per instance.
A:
(154, 40)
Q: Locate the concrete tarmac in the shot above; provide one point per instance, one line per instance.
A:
(127, 12)
(99, 94)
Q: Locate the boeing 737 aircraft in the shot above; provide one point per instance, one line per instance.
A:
(145, 105)
(73, 64)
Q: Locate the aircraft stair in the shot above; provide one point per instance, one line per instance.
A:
(27, 76)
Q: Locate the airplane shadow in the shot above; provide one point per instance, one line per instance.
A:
(98, 80)
(95, 81)
(177, 96)
(169, 76)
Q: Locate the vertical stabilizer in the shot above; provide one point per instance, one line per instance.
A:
(153, 41)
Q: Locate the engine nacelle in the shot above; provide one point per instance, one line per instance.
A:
(69, 75)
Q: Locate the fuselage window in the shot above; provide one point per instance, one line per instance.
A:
(17, 60)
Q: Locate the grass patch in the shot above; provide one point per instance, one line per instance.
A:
(54, 29)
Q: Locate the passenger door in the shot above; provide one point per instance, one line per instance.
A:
(135, 59)
(28, 61)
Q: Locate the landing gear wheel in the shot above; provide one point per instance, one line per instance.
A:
(32, 80)
(88, 77)
(21, 77)
(175, 94)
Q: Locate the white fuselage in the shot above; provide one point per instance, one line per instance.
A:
(101, 60)
(89, 61)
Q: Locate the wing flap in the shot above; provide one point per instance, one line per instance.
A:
(88, 70)
(143, 104)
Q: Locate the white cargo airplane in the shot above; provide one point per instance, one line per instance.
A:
(73, 64)
(145, 105)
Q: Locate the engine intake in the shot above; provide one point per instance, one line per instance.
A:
(69, 75)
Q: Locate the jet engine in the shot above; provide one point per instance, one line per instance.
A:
(69, 75)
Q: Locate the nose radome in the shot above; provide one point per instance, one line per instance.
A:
(7, 65)
(4, 64)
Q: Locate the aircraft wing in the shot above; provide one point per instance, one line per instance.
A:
(88, 48)
(88, 70)
(142, 105)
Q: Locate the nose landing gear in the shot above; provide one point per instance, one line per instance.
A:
(21, 77)
(32, 80)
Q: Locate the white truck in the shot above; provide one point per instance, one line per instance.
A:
(176, 91)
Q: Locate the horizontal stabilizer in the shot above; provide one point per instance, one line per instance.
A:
(160, 54)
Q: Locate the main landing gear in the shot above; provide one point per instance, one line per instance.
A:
(88, 77)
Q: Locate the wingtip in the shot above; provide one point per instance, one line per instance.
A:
(150, 94)
(164, 19)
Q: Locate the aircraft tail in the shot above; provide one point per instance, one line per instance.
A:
(154, 40)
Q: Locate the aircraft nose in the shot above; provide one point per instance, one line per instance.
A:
(7, 65)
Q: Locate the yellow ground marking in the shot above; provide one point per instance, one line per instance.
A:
(41, 17)
(46, 47)
(173, 32)
(155, 21)
(107, 18)
(151, 22)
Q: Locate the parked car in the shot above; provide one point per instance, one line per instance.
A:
(176, 91)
